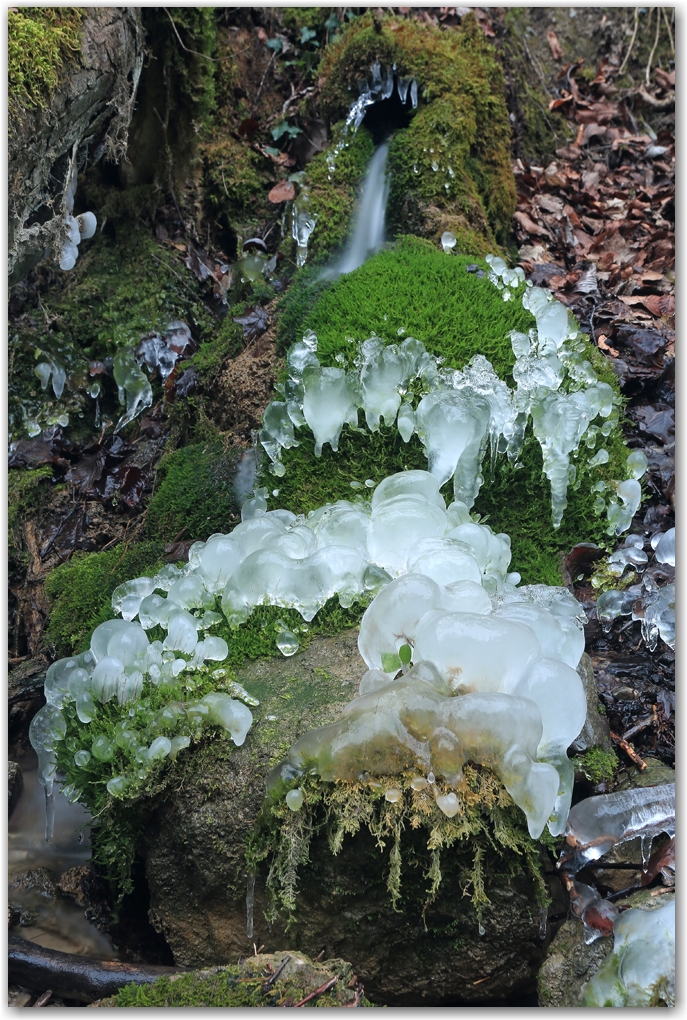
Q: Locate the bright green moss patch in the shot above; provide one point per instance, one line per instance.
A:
(39, 41)
(80, 591)
(598, 764)
(194, 496)
(419, 290)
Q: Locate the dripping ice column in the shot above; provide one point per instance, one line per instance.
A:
(369, 228)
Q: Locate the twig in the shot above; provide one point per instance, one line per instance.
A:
(257, 95)
(358, 998)
(632, 42)
(658, 104)
(318, 991)
(215, 60)
(43, 999)
(268, 984)
(670, 31)
(649, 720)
(647, 73)
(629, 751)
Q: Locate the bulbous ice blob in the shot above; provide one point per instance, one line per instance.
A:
(372, 681)
(257, 533)
(212, 648)
(128, 645)
(56, 685)
(101, 636)
(328, 404)
(130, 687)
(546, 627)
(406, 421)
(636, 464)
(409, 483)
(127, 597)
(103, 748)
(392, 619)
(642, 964)
(294, 799)
(134, 387)
(665, 548)
(148, 610)
(230, 714)
(159, 748)
(620, 515)
(343, 524)
(85, 707)
(87, 224)
(409, 725)
(188, 592)
(475, 652)
(444, 560)
(399, 522)
(182, 635)
(78, 682)
(106, 677)
(298, 542)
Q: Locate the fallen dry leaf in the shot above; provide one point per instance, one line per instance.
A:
(554, 45)
(282, 192)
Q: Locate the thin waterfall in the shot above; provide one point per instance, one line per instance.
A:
(370, 221)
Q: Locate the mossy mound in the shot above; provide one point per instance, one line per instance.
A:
(423, 292)
(451, 166)
(273, 979)
(80, 591)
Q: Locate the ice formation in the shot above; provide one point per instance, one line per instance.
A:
(76, 228)
(641, 968)
(459, 415)
(651, 604)
(491, 681)
(349, 549)
(122, 664)
(597, 824)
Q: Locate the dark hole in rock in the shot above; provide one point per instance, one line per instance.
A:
(387, 115)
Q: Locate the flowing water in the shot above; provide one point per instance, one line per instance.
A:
(369, 223)
(52, 921)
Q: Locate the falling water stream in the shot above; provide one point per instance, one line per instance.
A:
(369, 222)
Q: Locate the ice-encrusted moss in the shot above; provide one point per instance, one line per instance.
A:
(461, 122)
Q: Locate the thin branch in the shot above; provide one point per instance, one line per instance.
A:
(632, 42)
(670, 31)
(257, 95)
(647, 73)
(215, 60)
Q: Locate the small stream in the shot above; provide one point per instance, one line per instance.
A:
(53, 921)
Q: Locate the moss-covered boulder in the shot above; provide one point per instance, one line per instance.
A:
(451, 166)
(426, 948)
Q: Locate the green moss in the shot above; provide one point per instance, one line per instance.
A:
(227, 342)
(415, 288)
(295, 18)
(194, 496)
(236, 986)
(429, 295)
(188, 61)
(461, 121)
(126, 286)
(237, 178)
(39, 41)
(27, 492)
(80, 591)
(487, 832)
(598, 764)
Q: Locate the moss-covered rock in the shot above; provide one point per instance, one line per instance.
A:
(259, 980)
(195, 844)
(451, 166)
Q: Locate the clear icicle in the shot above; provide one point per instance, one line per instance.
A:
(250, 901)
(49, 812)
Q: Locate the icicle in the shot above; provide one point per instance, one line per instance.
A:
(49, 812)
(250, 900)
